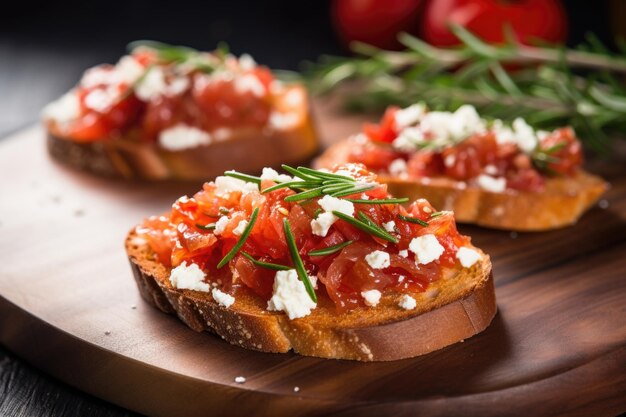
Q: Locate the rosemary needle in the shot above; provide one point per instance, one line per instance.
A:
(242, 239)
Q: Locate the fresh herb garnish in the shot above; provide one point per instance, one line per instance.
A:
(210, 226)
(243, 177)
(550, 87)
(383, 201)
(413, 220)
(267, 265)
(437, 214)
(297, 261)
(242, 239)
(366, 226)
(331, 249)
(224, 210)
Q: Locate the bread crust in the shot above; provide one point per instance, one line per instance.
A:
(452, 309)
(562, 203)
(246, 149)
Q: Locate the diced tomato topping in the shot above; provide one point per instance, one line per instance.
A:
(385, 131)
(186, 236)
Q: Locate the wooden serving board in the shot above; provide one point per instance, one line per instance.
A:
(68, 304)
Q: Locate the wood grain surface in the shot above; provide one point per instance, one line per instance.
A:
(68, 304)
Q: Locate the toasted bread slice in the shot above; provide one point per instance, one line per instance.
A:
(450, 310)
(245, 149)
(562, 203)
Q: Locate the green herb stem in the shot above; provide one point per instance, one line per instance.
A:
(242, 239)
(297, 261)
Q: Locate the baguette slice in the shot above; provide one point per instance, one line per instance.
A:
(562, 203)
(452, 309)
(245, 149)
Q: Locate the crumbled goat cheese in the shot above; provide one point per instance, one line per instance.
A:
(407, 302)
(222, 298)
(390, 226)
(246, 62)
(494, 185)
(371, 297)
(64, 109)
(152, 85)
(449, 160)
(225, 185)
(397, 167)
(249, 83)
(426, 248)
(283, 121)
(241, 226)
(491, 170)
(409, 116)
(240, 379)
(182, 136)
(290, 295)
(325, 220)
(189, 277)
(273, 175)
(408, 139)
(220, 225)
(467, 256)
(128, 70)
(404, 253)
(102, 99)
(378, 259)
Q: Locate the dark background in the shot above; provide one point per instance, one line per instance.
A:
(44, 48)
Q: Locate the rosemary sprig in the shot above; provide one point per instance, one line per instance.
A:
(266, 265)
(551, 87)
(297, 261)
(413, 220)
(366, 227)
(437, 214)
(331, 249)
(381, 201)
(243, 177)
(242, 239)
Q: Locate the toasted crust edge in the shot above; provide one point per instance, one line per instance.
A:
(443, 320)
(564, 201)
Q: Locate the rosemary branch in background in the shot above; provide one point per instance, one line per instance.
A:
(548, 86)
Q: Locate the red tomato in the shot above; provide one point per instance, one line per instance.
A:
(376, 22)
(566, 151)
(530, 20)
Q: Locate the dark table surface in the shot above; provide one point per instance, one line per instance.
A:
(43, 54)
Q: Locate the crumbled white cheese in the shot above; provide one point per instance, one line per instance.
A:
(426, 248)
(397, 167)
(404, 253)
(449, 160)
(290, 295)
(128, 70)
(240, 379)
(330, 203)
(189, 277)
(283, 121)
(407, 302)
(223, 298)
(182, 136)
(97, 76)
(102, 99)
(225, 185)
(409, 116)
(467, 256)
(378, 259)
(447, 126)
(273, 175)
(177, 86)
(491, 170)
(152, 85)
(390, 226)
(525, 135)
(494, 185)
(241, 226)
(322, 223)
(246, 62)
(408, 139)
(294, 98)
(220, 225)
(324, 220)
(371, 297)
(64, 109)
(249, 83)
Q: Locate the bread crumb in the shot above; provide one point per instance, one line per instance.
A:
(603, 204)
(240, 379)
(296, 389)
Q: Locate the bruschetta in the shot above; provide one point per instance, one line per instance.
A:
(510, 177)
(165, 112)
(326, 263)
